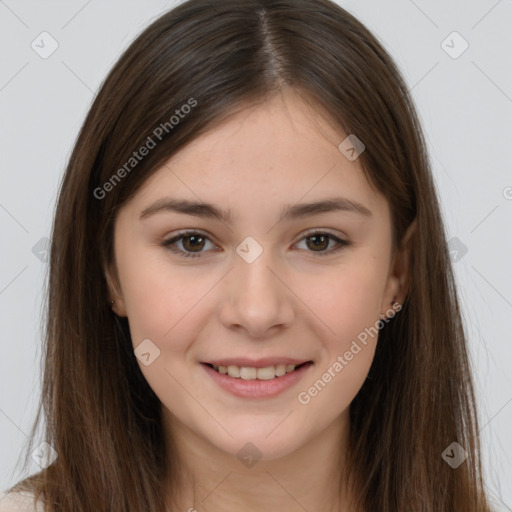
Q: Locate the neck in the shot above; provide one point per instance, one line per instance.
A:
(308, 478)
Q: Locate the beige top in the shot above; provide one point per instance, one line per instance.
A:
(19, 502)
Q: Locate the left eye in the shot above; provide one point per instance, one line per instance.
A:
(321, 240)
(193, 243)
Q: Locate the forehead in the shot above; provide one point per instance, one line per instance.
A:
(282, 151)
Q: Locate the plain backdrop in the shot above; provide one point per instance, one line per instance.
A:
(464, 97)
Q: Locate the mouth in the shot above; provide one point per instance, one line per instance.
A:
(263, 381)
(267, 372)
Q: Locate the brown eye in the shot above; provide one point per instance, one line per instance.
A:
(318, 242)
(192, 244)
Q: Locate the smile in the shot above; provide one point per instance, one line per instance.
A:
(251, 382)
(252, 373)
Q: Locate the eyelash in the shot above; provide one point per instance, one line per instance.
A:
(168, 244)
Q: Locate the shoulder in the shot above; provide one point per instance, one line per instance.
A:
(19, 502)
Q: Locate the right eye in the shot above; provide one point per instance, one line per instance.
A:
(190, 241)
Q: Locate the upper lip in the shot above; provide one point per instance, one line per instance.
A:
(256, 363)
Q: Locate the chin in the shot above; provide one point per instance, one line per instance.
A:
(259, 445)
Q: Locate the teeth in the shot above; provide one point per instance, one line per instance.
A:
(234, 371)
(250, 373)
(280, 370)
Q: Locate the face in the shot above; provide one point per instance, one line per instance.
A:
(257, 280)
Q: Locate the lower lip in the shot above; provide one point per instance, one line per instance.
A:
(257, 388)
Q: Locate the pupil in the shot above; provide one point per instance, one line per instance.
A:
(316, 237)
(193, 237)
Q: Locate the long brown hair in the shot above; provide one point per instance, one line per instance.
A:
(218, 57)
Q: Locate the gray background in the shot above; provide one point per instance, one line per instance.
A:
(466, 107)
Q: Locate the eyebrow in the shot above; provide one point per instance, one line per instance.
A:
(289, 212)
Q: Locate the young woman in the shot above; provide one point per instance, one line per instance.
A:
(251, 303)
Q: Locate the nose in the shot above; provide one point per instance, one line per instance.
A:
(258, 298)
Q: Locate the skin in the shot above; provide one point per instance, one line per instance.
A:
(291, 301)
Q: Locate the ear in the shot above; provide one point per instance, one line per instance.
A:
(115, 292)
(397, 285)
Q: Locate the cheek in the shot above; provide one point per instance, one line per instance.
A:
(347, 361)
(335, 385)
(165, 303)
(350, 309)
(349, 301)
